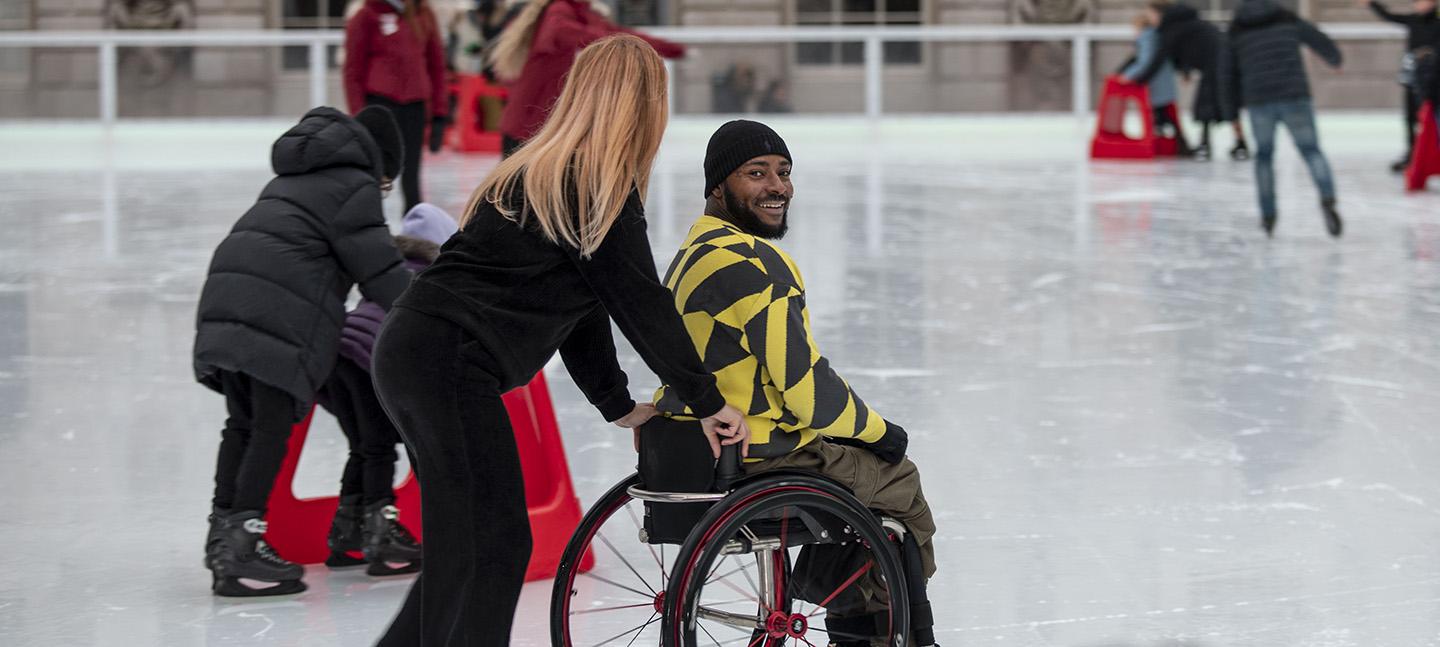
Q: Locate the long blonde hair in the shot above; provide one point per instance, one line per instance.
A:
(596, 147)
(512, 49)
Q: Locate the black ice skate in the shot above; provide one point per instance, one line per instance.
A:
(212, 537)
(1240, 152)
(346, 539)
(240, 553)
(1332, 217)
(389, 546)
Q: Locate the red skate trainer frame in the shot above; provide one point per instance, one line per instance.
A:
(298, 527)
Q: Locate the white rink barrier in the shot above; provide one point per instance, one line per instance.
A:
(1080, 37)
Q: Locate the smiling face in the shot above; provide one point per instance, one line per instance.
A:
(757, 196)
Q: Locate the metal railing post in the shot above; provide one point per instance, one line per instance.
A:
(318, 70)
(874, 67)
(1080, 75)
(669, 87)
(109, 109)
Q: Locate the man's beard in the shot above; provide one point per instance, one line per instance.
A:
(750, 222)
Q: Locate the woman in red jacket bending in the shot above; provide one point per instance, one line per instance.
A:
(535, 53)
(393, 58)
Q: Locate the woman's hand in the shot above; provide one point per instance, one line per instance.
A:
(641, 414)
(730, 423)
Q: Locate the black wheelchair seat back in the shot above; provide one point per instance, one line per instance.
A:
(674, 457)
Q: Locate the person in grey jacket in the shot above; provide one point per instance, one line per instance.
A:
(1261, 68)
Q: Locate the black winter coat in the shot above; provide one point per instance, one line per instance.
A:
(1192, 45)
(274, 301)
(1421, 30)
(1262, 63)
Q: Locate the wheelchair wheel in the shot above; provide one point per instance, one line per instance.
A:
(617, 600)
(743, 576)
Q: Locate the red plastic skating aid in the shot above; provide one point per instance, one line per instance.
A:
(1425, 160)
(298, 527)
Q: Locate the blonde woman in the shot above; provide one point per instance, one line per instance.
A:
(551, 248)
(536, 50)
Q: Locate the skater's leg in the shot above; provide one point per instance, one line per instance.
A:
(1299, 118)
(1263, 120)
(375, 438)
(477, 534)
(273, 418)
(233, 439)
(339, 400)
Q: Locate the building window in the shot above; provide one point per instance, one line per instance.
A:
(308, 14)
(857, 13)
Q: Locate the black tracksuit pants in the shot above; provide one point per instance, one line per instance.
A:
(412, 119)
(253, 443)
(370, 470)
(440, 388)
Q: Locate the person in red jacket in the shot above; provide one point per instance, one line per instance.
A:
(393, 58)
(535, 53)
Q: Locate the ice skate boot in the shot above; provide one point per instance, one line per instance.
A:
(212, 537)
(1201, 153)
(1398, 166)
(242, 554)
(346, 536)
(1240, 152)
(1332, 217)
(389, 546)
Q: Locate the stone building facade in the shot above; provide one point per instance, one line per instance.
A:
(816, 77)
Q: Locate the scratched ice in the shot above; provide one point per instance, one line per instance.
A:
(1140, 422)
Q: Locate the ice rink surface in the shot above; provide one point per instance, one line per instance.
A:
(1140, 423)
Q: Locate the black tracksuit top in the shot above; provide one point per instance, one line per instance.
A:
(523, 297)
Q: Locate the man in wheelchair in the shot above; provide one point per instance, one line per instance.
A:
(743, 300)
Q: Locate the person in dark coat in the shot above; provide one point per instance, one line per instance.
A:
(1422, 30)
(1193, 45)
(1262, 68)
(367, 519)
(270, 314)
(394, 58)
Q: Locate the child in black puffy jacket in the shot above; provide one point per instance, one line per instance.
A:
(268, 327)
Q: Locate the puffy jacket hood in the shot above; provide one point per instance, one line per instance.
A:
(1258, 13)
(325, 138)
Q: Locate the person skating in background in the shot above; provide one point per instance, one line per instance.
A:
(268, 324)
(535, 52)
(1162, 82)
(1262, 68)
(1422, 28)
(394, 58)
(1194, 45)
(367, 520)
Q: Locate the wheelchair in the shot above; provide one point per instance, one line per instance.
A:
(688, 551)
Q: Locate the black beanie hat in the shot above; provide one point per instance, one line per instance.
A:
(381, 124)
(734, 144)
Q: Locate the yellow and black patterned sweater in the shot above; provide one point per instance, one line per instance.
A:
(743, 302)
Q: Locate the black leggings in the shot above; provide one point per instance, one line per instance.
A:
(1412, 120)
(254, 442)
(412, 119)
(350, 397)
(440, 389)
